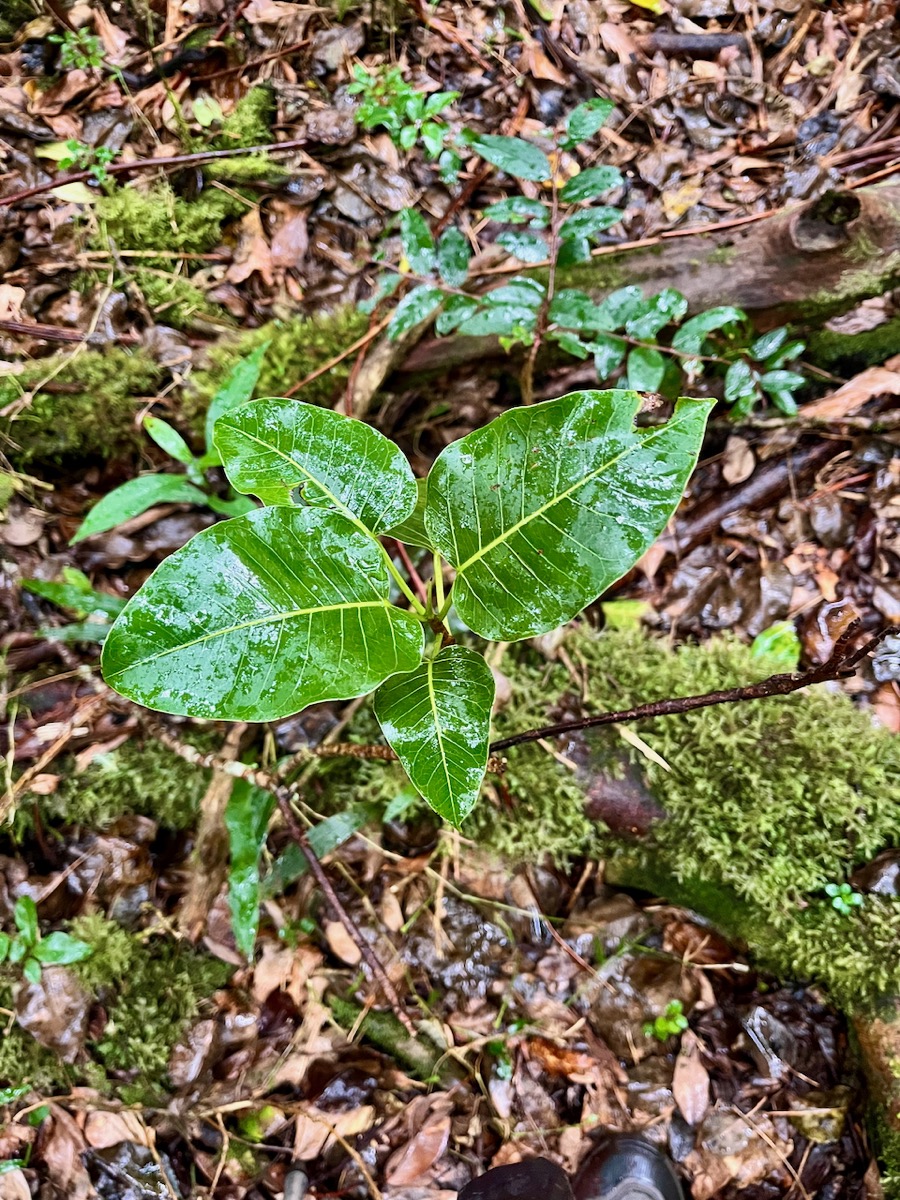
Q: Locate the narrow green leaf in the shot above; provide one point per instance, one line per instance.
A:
(588, 222)
(516, 210)
(546, 507)
(5, 943)
(257, 617)
(168, 439)
(646, 368)
(75, 593)
(768, 344)
(270, 447)
(231, 508)
(60, 949)
(31, 969)
(527, 247)
(418, 244)
(247, 820)
(588, 184)
(437, 718)
(237, 389)
(514, 156)
(134, 498)
(453, 254)
(584, 121)
(412, 531)
(324, 838)
(83, 631)
(26, 918)
(663, 309)
(415, 306)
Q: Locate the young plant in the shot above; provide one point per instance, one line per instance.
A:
(299, 602)
(670, 1023)
(95, 611)
(79, 50)
(844, 898)
(388, 102)
(35, 952)
(88, 158)
(137, 495)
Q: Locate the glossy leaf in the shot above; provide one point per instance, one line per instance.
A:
(60, 949)
(514, 156)
(74, 592)
(230, 508)
(237, 389)
(135, 497)
(768, 343)
(257, 617)
(781, 381)
(620, 306)
(418, 244)
(437, 718)
(500, 319)
(546, 507)
(519, 290)
(693, 333)
(570, 342)
(31, 969)
(584, 121)
(415, 306)
(26, 918)
(588, 184)
(456, 310)
(271, 447)
(324, 839)
(573, 250)
(740, 382)
(657, 312)
(646, 368)
(169, 439)
(576, 310)
(412, 531)
(517, 210)
(527, 247)
(590, 221)
(247, 820)
(453, 254)
(609, 354)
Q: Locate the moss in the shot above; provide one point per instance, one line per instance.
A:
(853, 352)
(96, 419)
(724, 255)
(156, 219)
(249, 169)
(297, 348)
(140, 778)
(596, 275)
(174, 300)
(15, 14)
(854, 284)
(251, 122)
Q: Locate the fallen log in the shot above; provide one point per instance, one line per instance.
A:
(804, 264)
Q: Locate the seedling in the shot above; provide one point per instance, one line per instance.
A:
(388, 102)
(88, 158)
(844, 898)
(137, 495)
(79, 50)
(34, 952)
(670, 1023)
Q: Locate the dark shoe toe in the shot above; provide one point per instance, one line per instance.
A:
(535, 1179)
(621, 1167)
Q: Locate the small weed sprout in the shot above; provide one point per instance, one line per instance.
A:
(88, 158)
(388, 102)
(79, 50)
(670, 1023)
(844, 898)
(35, 952)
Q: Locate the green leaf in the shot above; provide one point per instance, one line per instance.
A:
(519, 209)
(572, 251)
(324, 839)
(60, 949)
(237, 389)
(135, 497)
(654, 314)
(75, 593)
(13, 1164)
(432, 135)
(415, 306)
(83, 631)
(584, 121)
(26, 919)
(453, 254)
(780, 644)
(257, 617)
(646, 368)
(527, 247)
(768, 344)
(590, 221)
(609, 354)
(781, 381)
(246, 819)
(620, 306)
(418, 244)
(231, 508)
(693, 333)
(270, 447)
(31, 969)
(519, 290)
(501, 319)
(570, 342)
(514, 156)
(456, 310)
(576, 310)
(789, 351)
(5, 943)
(587, 184)
(9, 1095)
(438, 101)
(168, 439)
(546, 507)
(412, 531)
(741, 383)
(437, 718)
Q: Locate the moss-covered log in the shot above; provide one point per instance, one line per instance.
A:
(803, 265)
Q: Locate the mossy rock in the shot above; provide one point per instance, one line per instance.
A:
(854, 352)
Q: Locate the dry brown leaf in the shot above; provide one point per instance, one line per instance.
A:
(341, 944)
(14, 1186)
(11, 300)
(409, 1163)
(690, 1083)
(283, 969)
(851, 396)
(886, 706)
(316, 1129)
(252, 253)
(617, 41)
(104, 1129)
(290, 242)
(738, 460)
(61, 1151)
(536, 63)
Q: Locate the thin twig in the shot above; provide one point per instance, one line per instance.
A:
(367, 337)
(841, 665)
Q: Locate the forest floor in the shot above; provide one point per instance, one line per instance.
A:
(166, 1064)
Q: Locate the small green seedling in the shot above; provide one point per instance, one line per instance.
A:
(88, 158)
(35, 952)
(844, 898)
(95, 611)
(388, 102)
(135, 497)
(80, 50)
(669, 1023)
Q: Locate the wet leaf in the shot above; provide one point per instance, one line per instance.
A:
(418, 244)
(584, 121)
(453, 254)
(527, 247)
(456, 310)
(590, 221)
(693, 333)
(501, 319)
(519, 209)
(547, 506)
(237, 389)
(609, 354)
(646, 368)
(247, 820)
(591, 182)
(519, 290)
(168, 439)
(654, 314)
(136, 497)
(418, 304)
(279, 587)
(514, 156)
(437, 719)
(75, 593)
(412, 530)
(272, 447)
